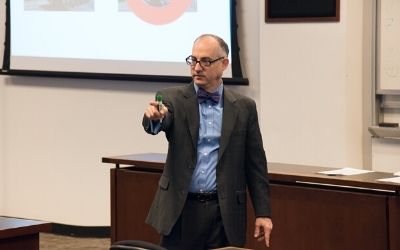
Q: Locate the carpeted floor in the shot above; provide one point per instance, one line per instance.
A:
(60, 242)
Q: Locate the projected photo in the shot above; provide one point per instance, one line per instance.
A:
(59, 5)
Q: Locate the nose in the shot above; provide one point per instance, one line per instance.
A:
(198, 66)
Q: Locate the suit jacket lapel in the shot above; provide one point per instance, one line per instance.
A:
(192, 113)
(228, 121)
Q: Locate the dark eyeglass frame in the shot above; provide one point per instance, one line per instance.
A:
(192, 61)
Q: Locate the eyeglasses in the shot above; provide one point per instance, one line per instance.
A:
(204, 62)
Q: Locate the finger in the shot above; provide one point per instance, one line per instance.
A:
(152, 113)
(149, 112)
(256, 231)
(267, 235)
(157, 105)
(153, 103)
(163, 110)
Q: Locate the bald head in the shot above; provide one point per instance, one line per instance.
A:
(219, 43)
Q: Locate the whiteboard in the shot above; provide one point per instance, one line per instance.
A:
(388, 46)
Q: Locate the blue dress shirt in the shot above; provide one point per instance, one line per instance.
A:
(204, 175)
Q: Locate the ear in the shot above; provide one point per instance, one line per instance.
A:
(225, 63)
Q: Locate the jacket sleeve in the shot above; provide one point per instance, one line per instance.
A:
(257, 172)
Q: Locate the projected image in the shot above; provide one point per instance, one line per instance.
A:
(59, 5)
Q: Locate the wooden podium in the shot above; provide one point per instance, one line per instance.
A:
(309, 210)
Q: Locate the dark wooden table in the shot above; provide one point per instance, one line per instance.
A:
(310, 210)
(21, 234)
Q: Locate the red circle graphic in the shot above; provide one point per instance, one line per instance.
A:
(159, 15)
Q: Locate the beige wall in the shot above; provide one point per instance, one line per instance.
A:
(386, 155)
(305, 77)
(2, 116)
(311, 90)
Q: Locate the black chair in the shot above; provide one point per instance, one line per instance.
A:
(135, 245)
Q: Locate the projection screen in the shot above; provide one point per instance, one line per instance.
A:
(132, 39)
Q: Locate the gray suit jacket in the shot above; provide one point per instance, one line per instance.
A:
(241, 162)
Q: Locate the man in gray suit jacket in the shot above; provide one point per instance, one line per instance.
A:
(215, 154)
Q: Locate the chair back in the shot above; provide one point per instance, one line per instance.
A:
(135, 245)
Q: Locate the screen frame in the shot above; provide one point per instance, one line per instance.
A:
(236, 79)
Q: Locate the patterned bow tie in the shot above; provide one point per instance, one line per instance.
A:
(203, 95)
